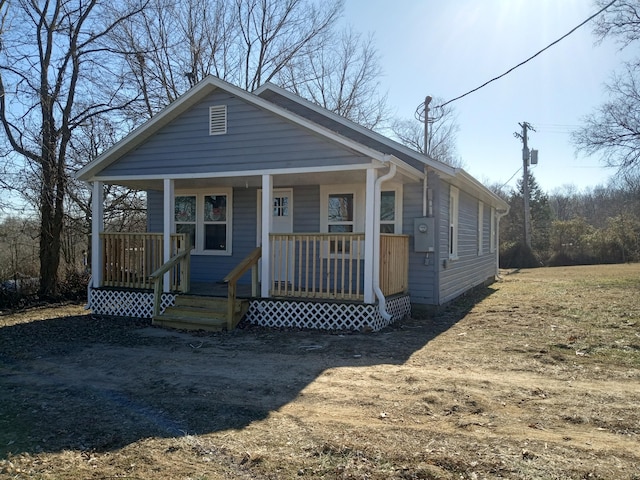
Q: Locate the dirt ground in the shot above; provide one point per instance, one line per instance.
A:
(534, 377)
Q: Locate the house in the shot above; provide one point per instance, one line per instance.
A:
(358, 227)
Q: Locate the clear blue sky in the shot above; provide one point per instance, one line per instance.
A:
(446, 48)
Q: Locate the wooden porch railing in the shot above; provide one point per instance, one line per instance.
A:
(129, 259)
(249, 262)
(394, 263)
(317, 265)
(329, 265)
(180, 259)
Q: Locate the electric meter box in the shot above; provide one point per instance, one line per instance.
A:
(424, 234)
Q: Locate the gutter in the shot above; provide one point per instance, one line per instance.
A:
(382, 301)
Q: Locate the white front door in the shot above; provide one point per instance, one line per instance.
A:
(281, 222)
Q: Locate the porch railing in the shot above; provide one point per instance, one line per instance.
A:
(394, 264)
(129, 259)
(329, 265)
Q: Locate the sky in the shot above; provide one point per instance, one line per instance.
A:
(447, 48)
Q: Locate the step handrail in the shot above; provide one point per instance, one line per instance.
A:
(250, 261)
(156, 277)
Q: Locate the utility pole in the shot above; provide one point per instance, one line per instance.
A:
(525, 179)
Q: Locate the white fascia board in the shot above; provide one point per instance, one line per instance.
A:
(439, 166)
(190, 98)
(467, 182)
(244, 173)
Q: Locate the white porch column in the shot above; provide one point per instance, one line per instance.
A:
(369, 235)
(267, 194)
(97, 227)
(169, 208)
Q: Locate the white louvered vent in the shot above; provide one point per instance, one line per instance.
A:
(218, 120)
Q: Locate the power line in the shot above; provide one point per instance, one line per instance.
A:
(531, 57)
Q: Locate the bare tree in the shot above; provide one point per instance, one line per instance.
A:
(443, 128)
(342, 74)
(613, 129)
(56, 72)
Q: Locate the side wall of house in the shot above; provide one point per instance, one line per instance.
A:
(422, 266)
(255, 139)
(471, 268)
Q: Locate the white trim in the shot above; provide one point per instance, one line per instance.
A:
(197, 93)
(168, 227)
(97, 227)
(247, 173)
(454, 212)
(480, 227)
(276, 191)
(492, 235)
(267, 190)
(369, 234)
(200, 223)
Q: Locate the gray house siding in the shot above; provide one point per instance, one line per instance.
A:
(155, 207)
(255, 140)
(422, 267)
(339, 127)
(469, 269)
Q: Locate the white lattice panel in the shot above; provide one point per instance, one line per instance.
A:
(126, 303)
(325, 315)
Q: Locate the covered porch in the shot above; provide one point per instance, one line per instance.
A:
(352, 264)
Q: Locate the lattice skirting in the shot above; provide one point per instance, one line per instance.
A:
(326, 315)
(264, 312)
(126, 303)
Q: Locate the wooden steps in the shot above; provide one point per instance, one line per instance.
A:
(192, 312)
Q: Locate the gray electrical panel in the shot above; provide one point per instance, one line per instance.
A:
(424, 234)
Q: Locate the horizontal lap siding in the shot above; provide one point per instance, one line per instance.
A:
(255, 140)
(422, 277)
(470, 269)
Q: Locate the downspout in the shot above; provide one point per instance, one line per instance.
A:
(498, 217)
(382, 302)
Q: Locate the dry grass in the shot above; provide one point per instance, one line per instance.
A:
(535, 377)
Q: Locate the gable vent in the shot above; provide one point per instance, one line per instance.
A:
(218, 120)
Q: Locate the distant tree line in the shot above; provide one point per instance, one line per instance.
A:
(572, 227)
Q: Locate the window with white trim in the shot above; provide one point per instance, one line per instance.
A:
(492, 241)
(453, 222)
(206, 219)
(217, 120)
(480, 227)
(388, 211)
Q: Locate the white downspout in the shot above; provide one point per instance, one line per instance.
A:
(498, 217)
(382, 302)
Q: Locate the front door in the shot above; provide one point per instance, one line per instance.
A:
(281, 222)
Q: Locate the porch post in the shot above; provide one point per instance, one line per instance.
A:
(169, 208)
(97, 227)
(369, 234)
(267, 193)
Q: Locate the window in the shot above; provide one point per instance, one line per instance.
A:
(453, 222)
(185, 217)
(388, 212)
(340, 219)
(205, 218)
(215, 222)
(218, 120)
(480, 227)
(492, 241)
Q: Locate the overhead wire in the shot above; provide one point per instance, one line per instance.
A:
(528, 59)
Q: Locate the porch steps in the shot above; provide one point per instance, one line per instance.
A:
(193, 312)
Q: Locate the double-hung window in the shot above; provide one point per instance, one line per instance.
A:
(340, 219)
(206, 219)
(453, 222)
